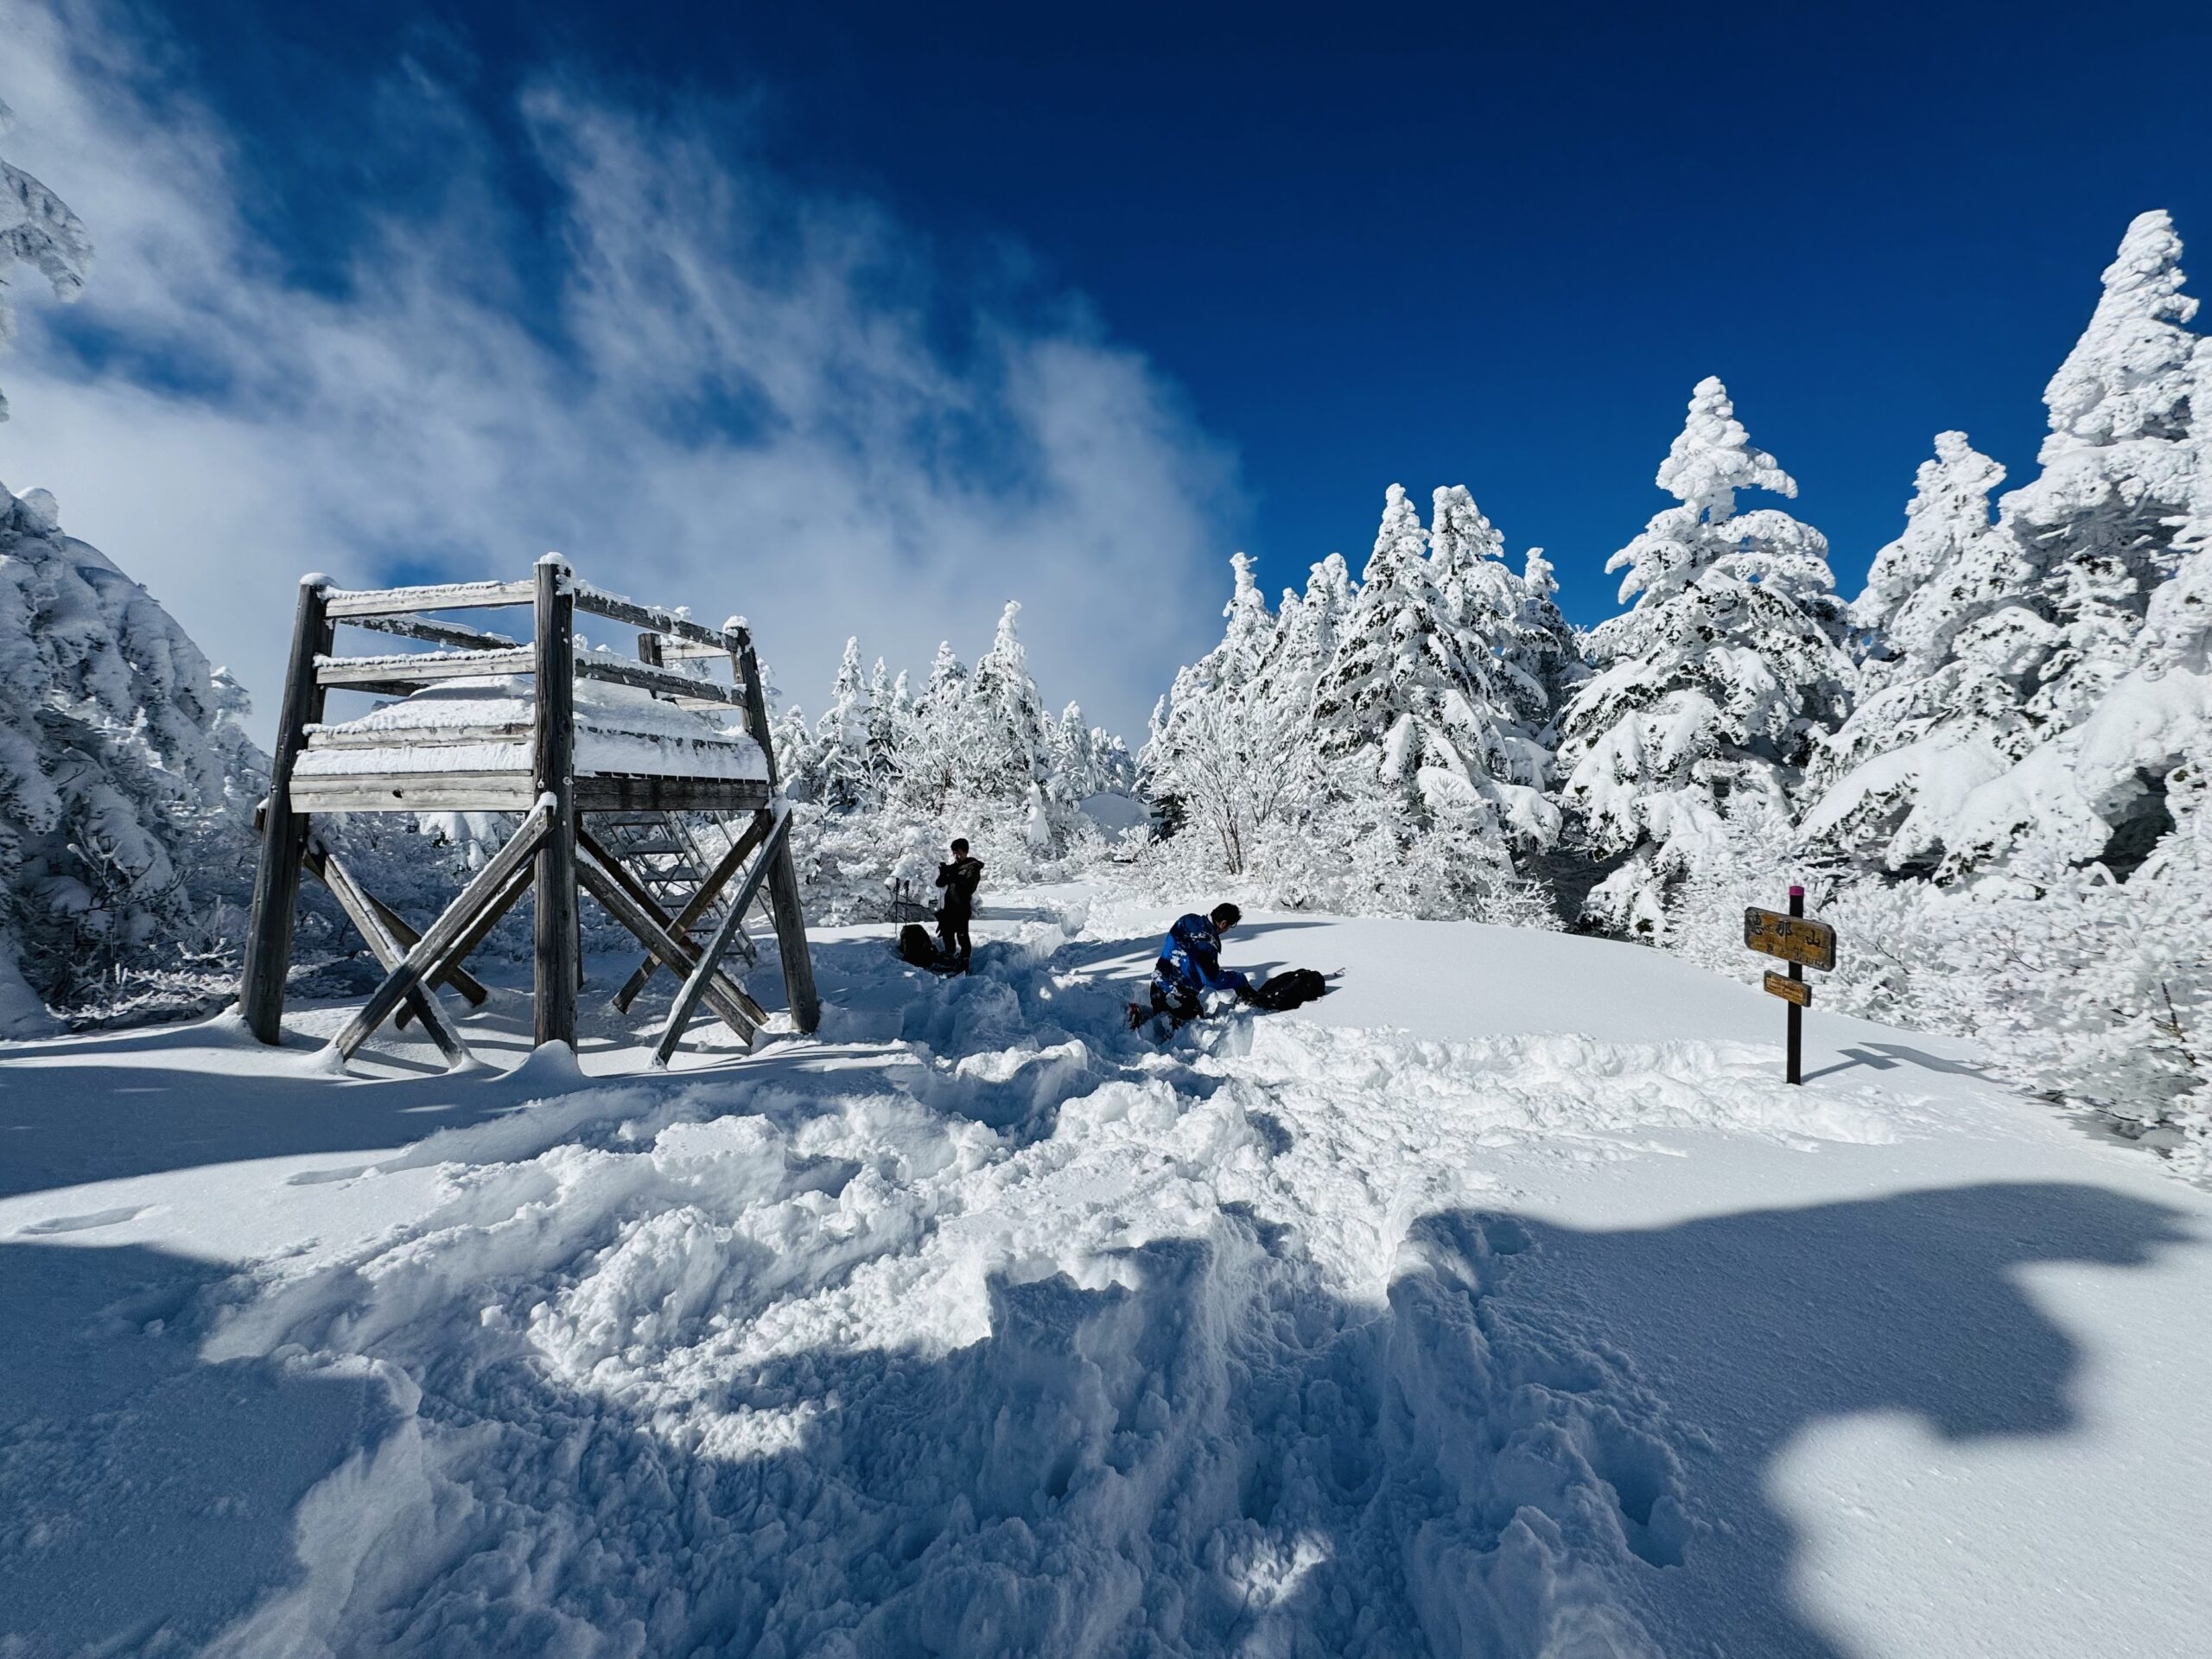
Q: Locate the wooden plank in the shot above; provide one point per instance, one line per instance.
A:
(421, 1001)
(437, 633)
(559, 947)
(701, 902)
(599, 877)
(660, 681)
(1799, 991)
(284, 825)
(601, 791)
(1792, 939)
(710, 958)
(349, 605)
(428, 791)
(783, 879)
(404, 930)
(431, 948)
(421, 667)
(417, 737)
(614, 608)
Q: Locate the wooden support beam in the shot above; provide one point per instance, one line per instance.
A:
(559, 947)
(701, 902)
(783, 879)
(710, 958)
(616, 608)
(284, 828)
(686, 952)
(349, 605)
(600, 879)
(459, 978)
(477, 931)
(437, 633)
(411, 668)
(422, 1000)
(430, 949)
(660, 681)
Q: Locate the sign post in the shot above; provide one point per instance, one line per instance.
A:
(1801, 943)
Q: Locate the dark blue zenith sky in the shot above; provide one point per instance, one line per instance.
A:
(1430, 245)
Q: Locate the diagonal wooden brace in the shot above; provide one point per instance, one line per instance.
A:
(356, 903)
(710, 959)
(700, 902)
(687, 952)
(720, 996)
(399, 926)
(490, 881)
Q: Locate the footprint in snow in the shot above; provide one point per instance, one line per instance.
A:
(79, 1224)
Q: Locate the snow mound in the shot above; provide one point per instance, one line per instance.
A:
(1014, 1336)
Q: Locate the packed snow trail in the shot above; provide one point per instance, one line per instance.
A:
(983, 1326)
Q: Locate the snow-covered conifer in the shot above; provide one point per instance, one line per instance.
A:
(37, 230)
(2097, 523)
(1718, 682)
(1954, 637)
(844, 777)
(127, 784)
(1008, 716)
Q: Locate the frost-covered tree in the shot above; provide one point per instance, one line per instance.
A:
(1008, 716)
(127, 784)
(37, 230)
(1712, 690)
(2099, 521)
(1422, 706)
(844, 777)
(1953, 639)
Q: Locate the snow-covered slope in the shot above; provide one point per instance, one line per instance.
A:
(1504, 1303)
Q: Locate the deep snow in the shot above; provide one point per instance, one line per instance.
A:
(1504, 1303)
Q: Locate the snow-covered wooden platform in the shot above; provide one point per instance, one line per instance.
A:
(481, 723)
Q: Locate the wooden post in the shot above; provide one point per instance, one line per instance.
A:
(1796, 1014)
(284, 832)
(782, 878)
(560, 958)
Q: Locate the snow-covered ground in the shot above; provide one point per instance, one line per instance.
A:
(1504, 1303)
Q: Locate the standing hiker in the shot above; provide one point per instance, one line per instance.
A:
(1189, 965)
(958, 879)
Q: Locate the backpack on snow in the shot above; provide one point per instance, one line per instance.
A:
(917, 946)
(1290, 990)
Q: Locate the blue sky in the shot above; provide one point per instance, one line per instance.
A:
(1337, 249)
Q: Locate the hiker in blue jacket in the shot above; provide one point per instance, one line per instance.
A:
(1189, 964)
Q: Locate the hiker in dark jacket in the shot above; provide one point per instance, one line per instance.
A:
(1189, 964)
(958, 879)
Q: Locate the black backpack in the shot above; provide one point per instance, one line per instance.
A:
(917, 946)
(1290, 990)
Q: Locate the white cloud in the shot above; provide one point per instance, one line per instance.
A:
(241, 428)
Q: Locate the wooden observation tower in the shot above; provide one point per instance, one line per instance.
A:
(649, 786)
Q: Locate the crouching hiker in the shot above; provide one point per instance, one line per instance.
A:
(1190, 965)
(958, 879)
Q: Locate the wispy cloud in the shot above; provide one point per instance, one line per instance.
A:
(701, 385)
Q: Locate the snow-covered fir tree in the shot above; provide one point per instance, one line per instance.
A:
(37, 231)
(1952, 637)
(127, 784)
(1712, 690)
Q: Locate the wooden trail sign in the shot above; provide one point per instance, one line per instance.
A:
(1803, 944)
(1799, 991)
(1793, 938)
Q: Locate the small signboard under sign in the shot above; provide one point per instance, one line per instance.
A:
(1799, 991)
(1792, 939)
